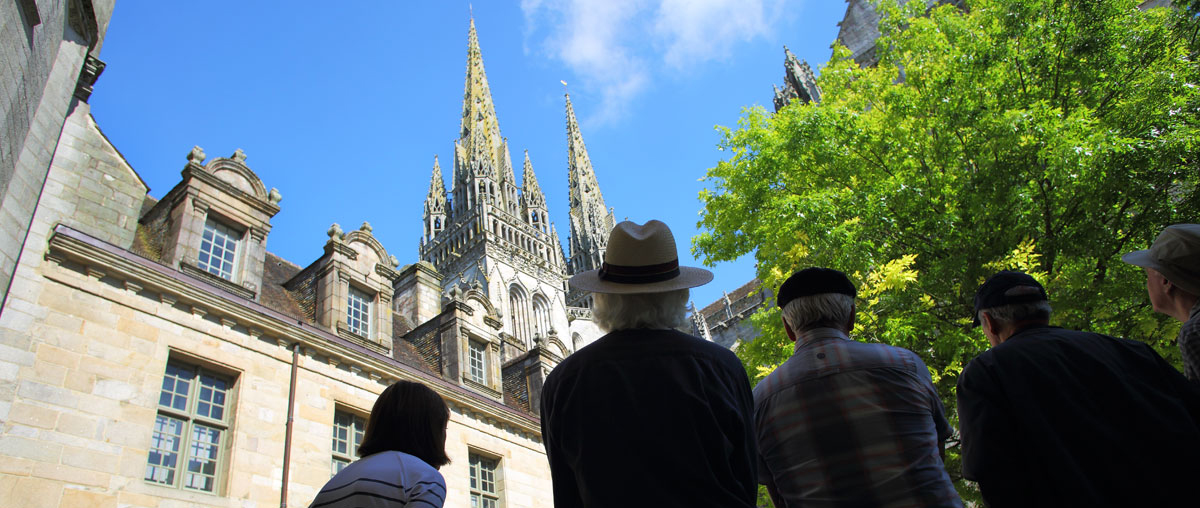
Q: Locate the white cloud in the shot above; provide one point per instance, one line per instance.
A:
(616, 46)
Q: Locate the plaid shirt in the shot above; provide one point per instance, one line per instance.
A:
(844, 423)
(1189, 344)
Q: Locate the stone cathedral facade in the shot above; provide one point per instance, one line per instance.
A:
(154, 352)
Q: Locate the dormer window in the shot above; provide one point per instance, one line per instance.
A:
(358, 312)
(219, 249)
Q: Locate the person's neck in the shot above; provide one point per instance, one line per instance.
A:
(1181, 306)
(812, 334)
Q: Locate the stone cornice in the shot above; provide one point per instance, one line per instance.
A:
(69, 244)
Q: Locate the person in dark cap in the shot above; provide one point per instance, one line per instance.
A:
(1057, 417)
(847, 423)
(1172, 265)
(647, 415)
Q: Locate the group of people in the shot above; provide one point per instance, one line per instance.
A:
(650, 416)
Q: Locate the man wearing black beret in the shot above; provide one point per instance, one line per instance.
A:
(847, 423)
(1057, 417)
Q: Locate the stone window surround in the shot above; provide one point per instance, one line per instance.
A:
(480, 461)
(357, 425)
(206, 212)
(225, 424)
(491, 379)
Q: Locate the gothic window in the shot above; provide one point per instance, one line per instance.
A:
(219, 249)
(358, 312)
(348, 429)
(519, 310)
(477, 361)
(191, 430)
(485, 472)
(541, 316)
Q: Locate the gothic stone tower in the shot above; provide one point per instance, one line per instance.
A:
(491, 235)
(591, 221)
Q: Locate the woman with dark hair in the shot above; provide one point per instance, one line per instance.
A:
(402, 449)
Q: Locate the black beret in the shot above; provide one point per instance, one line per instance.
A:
(814, 281)
(1006, 288)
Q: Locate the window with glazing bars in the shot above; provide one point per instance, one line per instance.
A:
(475, 362)
(190, 430)
(484, 493)
(348, 431)
(218, 249)
(358, 312)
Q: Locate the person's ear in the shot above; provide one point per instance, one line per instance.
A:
(853, 314)
(791, 335)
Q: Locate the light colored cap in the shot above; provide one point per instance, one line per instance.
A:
(1175, 254)
(641, 259)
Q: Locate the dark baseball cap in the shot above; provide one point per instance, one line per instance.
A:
(814, 281)
(1005, 288)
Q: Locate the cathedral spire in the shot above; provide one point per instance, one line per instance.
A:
(591, 220)
(435, 204)
(479, 131)
(531, 192)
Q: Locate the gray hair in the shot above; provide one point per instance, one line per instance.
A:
(613, 312)
(831, 310)
(1007, 314)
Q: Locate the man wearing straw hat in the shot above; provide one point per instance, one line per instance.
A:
(1172, 266)
(647, 415)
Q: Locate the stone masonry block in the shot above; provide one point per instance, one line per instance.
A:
(52, 395)
(32, 492)
(91, 460)
(72, 475)
(47, 353)
(22, 447)
(33, 416)
(46, 373)
(75, 498)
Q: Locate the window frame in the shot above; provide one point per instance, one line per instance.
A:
(355, 430)
(237, 236)
(368, 308)
(478, 495)
(190, 417)
(477, 348)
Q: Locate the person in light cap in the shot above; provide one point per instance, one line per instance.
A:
(647, 415)
(1055, 417)
(1172, 266)
(844, 423)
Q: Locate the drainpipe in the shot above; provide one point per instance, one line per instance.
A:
(287, 439)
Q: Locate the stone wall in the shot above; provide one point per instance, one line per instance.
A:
(45, 45)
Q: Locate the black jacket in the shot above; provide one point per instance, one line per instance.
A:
(650, 418)
(1055, 417)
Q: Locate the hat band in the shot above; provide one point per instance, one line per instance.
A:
(639, 274)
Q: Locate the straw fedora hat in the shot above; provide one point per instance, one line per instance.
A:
(641, 259)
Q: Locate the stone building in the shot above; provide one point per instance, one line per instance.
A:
(153, 352)
(724, 321)
(50, 50)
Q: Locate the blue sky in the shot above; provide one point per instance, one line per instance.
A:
(343, 106)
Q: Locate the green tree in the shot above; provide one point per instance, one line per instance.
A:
(1050, 136)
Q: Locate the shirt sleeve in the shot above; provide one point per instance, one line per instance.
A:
(430, 492)
(936, 408)
(991, 449)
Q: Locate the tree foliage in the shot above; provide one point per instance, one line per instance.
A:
(1050, 136)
